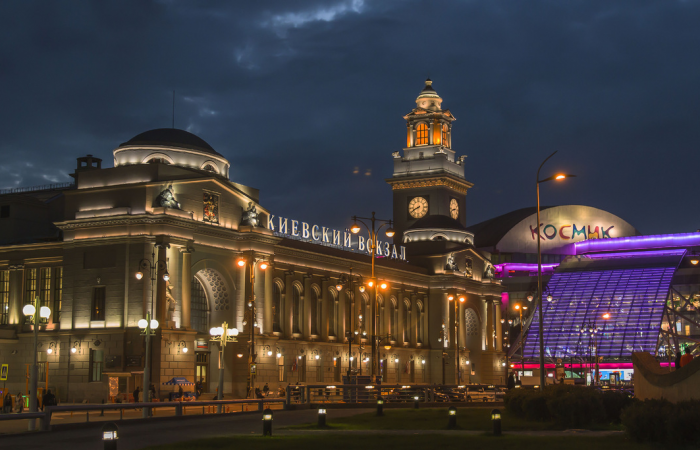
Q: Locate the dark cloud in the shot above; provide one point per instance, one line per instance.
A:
(299, 94)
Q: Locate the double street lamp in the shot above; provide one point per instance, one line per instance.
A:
(372, 246)
(251, 263)
(148, 328)
(462, 299)
(520, 308)
(222, 335)
(557, 177)
(35, 315)
(348, 281)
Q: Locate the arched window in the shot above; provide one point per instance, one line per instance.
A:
(315, 313)
(422, 134)
(276, 308)
(199, 307)
(158, 161)
(210, 168)
(296, 309)
(445, 142)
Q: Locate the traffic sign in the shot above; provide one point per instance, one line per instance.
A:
(3, 372)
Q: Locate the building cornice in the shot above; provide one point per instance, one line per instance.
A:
(446, 180)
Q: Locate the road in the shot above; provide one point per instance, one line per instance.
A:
(134, 436)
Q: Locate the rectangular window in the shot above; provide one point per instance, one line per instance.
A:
(96, 364)
(98, 303)
(57, 293)
(4, 296)
(280, 368)
(45, 285)
(319, 370)
(30, 282)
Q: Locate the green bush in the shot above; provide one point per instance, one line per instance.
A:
(576, 408)
(682, 426)
(535, 406)
(646, 421)
(513, 401)
(613, 403)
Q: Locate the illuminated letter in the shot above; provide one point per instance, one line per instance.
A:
(314, 233)
(270, 225)
(283, 226)
(305, 230)
(336, 237)
(386, 249)
(378, 248)
(561, 232)
(593, 235)
(325, 234)
(606, 232)
(403, 253)
(360, 243)
(393, 252)
(554, 234)
(295, 228)
(534, 232)
(582, 232)
(347, 238)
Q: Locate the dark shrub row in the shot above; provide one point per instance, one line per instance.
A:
(663, 421)
(567, 405)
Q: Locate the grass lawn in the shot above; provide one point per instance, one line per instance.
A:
(408, 442)
(436, 419)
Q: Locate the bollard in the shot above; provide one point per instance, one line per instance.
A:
(452, 414)
(203, 411)
(380, 406)
(109, 436)
(415, 402)
(267, 422)
(322, 418)
(87, 416)
(496, 420)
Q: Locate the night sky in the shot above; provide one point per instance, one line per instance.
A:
(306, 98)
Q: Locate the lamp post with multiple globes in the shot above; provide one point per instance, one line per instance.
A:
(372, 246)
(462, 299)
(35, 315)
(222, 335)
(348, 281)
(252, 262)
(557, 177)
(148, 328)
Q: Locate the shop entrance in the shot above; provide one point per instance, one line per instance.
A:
(201, 375)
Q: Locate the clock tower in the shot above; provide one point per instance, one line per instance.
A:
(428, 181)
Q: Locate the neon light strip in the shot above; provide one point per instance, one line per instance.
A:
(642, 254)
(637, 243)
(523, 267)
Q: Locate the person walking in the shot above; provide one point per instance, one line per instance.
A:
(511, 381)
(180, 391)
(686, 358)
(20, 403)
(266, 390)
(678, 360)
(7, 404)
(136, 394)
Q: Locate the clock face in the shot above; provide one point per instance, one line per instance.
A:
(454, 209)
(418, 207)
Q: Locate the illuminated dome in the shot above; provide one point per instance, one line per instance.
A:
(171, 146)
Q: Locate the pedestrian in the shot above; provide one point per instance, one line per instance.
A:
(7, 403)
(266, 390)
(686, 358)
(48, 399)
(20, 403)
(258, 393)
(136, 394)
(180, 391)
(511, 381)
(678, 359)
(152, 390)
(518, 381)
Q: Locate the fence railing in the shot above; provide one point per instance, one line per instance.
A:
(45, 416)
(395, 393)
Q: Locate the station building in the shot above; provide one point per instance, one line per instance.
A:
(168, 212)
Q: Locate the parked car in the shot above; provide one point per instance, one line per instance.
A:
(480, 394)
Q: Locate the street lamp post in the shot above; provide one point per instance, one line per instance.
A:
(252, 262)
(154, 267)
(148, 328)
(442, 339)
(349, 280)
(222, 335)
(557, 177)
(35, 314)
(373, 239)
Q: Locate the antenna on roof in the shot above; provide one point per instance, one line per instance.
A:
(173, 109)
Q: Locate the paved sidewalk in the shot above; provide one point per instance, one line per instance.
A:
(452, 432)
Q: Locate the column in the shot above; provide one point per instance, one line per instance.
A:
(267, 302)
(306, 310)
(341, 314)
(415, 317)
(326, 299)
(489, 324)
(161, 302)
(241, 306)
(186, 289)
(288, 317)
(499, 326)
(259, 296)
